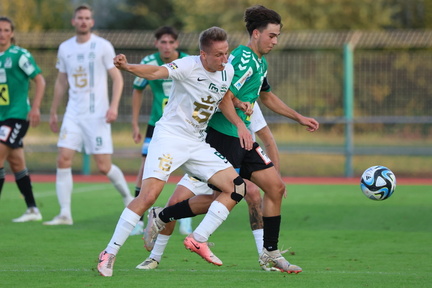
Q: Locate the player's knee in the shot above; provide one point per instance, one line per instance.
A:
(253, 196)
(239, 189)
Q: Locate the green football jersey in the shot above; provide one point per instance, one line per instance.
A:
(249, 74)
(160, 88)
(17, 67)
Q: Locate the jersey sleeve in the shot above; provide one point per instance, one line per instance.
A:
(61, 64)
(108, 55)
(28, 65)
(265, 87)
(179, 69)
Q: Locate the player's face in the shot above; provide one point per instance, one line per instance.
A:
(83, 21)
(167, 47)
(6, 35)
(268, 38)
(216, 57)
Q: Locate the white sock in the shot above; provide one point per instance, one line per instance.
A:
(159, 247)
(128, 220)
(118, 180)
(64, 186)
(217, 213)
(259, 239)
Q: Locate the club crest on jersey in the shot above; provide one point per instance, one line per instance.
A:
(224, 89)
(172, 66)
(212, 88)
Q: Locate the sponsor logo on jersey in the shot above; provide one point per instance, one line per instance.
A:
(26, 65)
(172, 66)
(8, 63)
(240, 82)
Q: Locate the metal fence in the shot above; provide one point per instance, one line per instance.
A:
(392, 96)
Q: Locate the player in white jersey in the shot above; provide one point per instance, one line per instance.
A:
(84, 63)
(189, 186)
(199, 85)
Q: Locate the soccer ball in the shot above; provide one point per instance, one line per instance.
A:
(378, 183)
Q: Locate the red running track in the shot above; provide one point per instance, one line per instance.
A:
(288, 180)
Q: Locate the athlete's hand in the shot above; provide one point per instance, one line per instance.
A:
(111, 115)
(310, 123)
(34, 117)
(136, 134)
(120, 61)
(53, 123)
(245, 107)
(245, 137)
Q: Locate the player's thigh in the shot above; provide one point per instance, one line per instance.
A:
(269, 181)
(103, 162)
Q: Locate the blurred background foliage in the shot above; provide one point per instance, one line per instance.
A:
(196, 15)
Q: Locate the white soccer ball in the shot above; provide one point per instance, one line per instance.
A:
(378, 182)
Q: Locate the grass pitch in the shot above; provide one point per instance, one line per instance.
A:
(338, 236)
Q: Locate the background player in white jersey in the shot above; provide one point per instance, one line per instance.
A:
(166, 42)
(199, 84)
(189, 187)
(84, 62)
(17, 68)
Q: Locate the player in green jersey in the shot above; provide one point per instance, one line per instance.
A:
(166, 41)
(17, 67)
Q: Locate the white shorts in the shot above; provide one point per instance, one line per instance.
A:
(167, 152)
(196, 186)
(94, 134)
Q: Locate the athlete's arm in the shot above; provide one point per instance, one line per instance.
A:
(34, 114)
(117, 88)
(227, 108)
(149, 72)
(136, 106)
(275, 104)
(60, 87)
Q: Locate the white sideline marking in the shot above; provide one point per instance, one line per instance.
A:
(90, 188)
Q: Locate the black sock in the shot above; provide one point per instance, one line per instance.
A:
(176, 211)
(271, 232)
(137, 190)
(23, 182)
(2, 178)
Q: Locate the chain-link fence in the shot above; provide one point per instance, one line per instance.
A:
(392, 96)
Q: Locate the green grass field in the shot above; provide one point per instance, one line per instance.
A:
(338, 236)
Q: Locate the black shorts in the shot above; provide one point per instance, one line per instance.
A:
(12, 132)
(147, 139)
(240, 158)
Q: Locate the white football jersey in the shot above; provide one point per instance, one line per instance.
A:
(86, 65)
(195, 96)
